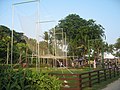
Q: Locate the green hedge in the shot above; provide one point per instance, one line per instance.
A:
(21, 79)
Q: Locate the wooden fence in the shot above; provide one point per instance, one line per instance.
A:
(88, 79)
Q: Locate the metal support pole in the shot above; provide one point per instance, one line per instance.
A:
(12, 35)
(8, 52)
(54, 48)
(48, 48)
(102, 56)
(63, 48)
(38, 32)
(66, 51)
(89, 53)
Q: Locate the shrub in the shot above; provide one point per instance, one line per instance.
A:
(11, 79)
(21, 79)
(43, 81)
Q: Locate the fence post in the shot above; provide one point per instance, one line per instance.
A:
(114, 72)
(105, 74)
(117, 71)
(110, 73)
(98, 76)
(90, 85)
(80, 82)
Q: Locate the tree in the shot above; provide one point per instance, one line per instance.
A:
(79, 31)
(111, 48)
(4, 44)
(46, 38)
(5, 40)
(117, 46)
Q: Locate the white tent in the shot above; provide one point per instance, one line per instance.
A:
(108, 56)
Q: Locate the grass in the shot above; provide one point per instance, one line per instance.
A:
(76, 71)
(62, 70)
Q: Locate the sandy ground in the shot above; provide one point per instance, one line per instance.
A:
(113, 86)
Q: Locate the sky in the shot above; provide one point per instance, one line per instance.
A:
(104, 12)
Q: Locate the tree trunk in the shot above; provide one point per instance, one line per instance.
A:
(26, 55)
(20, 58)
(7, 52)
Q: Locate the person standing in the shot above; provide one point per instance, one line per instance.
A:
(94, 64)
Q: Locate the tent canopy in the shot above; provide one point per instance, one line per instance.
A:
(108, 56)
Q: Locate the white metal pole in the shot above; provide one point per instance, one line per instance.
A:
(63, 47)
(62, 41)
(12, 35)
(54, 43)
(7, 52)
(48, 48)
(55, 48)
(38, 33)
(48, 42)
(66, 51)
(36, 47)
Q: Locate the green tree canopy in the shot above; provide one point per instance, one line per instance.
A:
(117, 46)
(5, 42)
(79, 31)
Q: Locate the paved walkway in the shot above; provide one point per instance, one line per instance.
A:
(113, 86)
